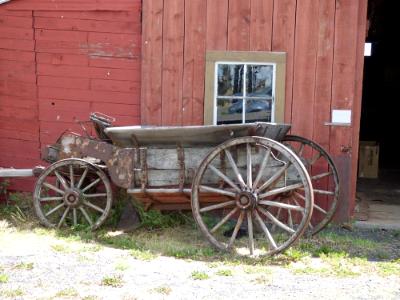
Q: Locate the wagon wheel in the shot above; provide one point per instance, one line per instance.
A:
(72, 192)
(324, 177)
(250, 213)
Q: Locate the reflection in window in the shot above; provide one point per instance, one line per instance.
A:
(245, 92)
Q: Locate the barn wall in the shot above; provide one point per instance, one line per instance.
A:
(59, 61)
(323, 41)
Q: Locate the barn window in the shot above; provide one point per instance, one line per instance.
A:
(243, 87)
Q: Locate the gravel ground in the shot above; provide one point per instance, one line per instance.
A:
(41, 267)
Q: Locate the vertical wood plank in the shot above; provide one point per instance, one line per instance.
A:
(172, 69)
(362, 23)
(151, 102)
(194, 62)
(261, 25)
(323, 84)
(323, 94)
(217, 24)
(305, 55)
(343, 93)
(239, 25)
(284, 21)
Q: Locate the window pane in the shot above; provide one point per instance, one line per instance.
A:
(258, 110)
(230, 80)
(259, 81)
(229, 111)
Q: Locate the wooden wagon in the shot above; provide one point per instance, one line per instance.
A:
(249, 186)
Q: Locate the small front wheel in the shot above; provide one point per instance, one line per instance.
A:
(72, 192)
(241, 196)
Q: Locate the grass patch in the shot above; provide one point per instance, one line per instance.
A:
(224, 272)
(3, 278)
(121, 265)
(113, 281)
(163, 290)
(389, 268)
(199, 275)
(62, 248)
(145, 255)
(12, 293)
(69, 292)
(24, 266)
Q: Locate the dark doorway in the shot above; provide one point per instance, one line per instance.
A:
(380, 118)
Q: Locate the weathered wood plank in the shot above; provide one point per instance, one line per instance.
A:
(323, 83)
(217, 24)
(239, 25)
(261, 25)
(362, 23)
(305, 55)
(172, 69)
(152, 42)
(194, 62)
(284, 21)
(343, 93)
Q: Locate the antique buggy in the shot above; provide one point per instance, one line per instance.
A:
(251, 187)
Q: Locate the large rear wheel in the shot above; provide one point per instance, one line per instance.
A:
(240, 196)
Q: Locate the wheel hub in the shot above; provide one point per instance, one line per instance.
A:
(246, 200)
(72, 198)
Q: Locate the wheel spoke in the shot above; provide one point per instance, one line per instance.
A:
(320, 209)
(224, 177)
(71, 175)
(217, 206)
(290, 219)
(266, 231)
(52, 187)
(63, 217)
(277, 217)
(223, 221)
(300, 151)
(249, 166)
(250, 230)
(282, 190)
(74, 216)
(262, 167)
(61, 179)
(275, 220)
(282, 205)
(85, 214)
(54, 209)
(314, 159)
(51, 199)
(95, 195)
(95, 207)
(273, 178)
(217, 191)
(235, 169)
(323, 192)
(322, 175)
(236, 230)
(82, 177)
(91, 185)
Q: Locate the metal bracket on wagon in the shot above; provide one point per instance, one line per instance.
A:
(119, 161)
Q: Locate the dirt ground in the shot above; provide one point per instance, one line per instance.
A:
(37, 263)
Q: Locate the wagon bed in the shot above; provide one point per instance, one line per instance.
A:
(131, 136)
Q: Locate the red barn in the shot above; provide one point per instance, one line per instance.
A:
(152, 62)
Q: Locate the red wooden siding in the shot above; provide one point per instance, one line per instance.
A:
(59, 61)
(323, 43)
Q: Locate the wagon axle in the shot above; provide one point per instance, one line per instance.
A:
(246, 200)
